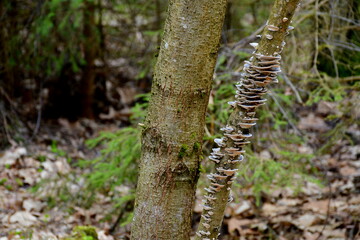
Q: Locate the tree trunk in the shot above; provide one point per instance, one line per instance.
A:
(260, 71)
(90, 50)
(173, 130)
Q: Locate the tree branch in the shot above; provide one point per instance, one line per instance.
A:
(261, 70)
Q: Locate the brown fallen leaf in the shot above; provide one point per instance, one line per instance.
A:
(307, 220)
(239, 224)
(23, 218)
(313, 123)
(289, 202)
(327, 108)
(30, 175)
(103, 236)
(242, 207)
(347, 170)
(33, 205)
(62, 166)
(320, 206)
(310, 236)
(271, 210)
(11, 155)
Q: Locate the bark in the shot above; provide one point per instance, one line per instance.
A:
(258, 72)
(173, 130)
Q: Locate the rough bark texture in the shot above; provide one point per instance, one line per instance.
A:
(173, 130)
(257, 73)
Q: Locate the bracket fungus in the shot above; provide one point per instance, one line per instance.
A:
(273, 28)
(257, 73)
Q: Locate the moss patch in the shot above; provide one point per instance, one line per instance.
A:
(83, 233)
(196, 146)
(183, 149)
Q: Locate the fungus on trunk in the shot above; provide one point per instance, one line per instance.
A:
(261, 70)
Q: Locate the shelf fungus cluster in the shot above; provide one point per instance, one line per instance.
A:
(256, 75)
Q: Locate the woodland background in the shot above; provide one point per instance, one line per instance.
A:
(74, 83)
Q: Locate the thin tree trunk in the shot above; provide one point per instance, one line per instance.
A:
(173, 130)
(90, 50)
(260, 71)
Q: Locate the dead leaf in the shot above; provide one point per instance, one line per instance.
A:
(288, 202)
(30, 204)
(239, 225)
(127, 94)
(30, 175)
(271, 210)
(62, 166)
(327, 108)
(303, 149)
(103, 236)
(24, 218)
(317, 206)
(10, 156)
(242, 207)
(313, 123)
(311, 189)
(265, 154)
(110, 115)
(307, 220)
(347, 171)
(311, 236)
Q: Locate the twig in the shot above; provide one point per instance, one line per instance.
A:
(120, 216)
(328, 208)
(349, 79)
(287, 80)
(285, 114)
(240, 44)
(38, 120)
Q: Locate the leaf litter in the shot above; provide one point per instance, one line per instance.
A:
(315, 212)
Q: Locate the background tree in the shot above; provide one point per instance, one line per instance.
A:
(173, 130)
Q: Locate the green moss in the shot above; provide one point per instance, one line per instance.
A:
(196, 146)
(83, 233)
(183, 150)
(193, 135)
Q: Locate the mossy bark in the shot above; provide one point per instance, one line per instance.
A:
(258, 72)
(173, 129)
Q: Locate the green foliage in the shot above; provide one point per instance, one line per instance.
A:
(54, 149)
(26, 235)
(83, 233)
(288, 169)
(50, 40)
(326, 89)
(3, 181)
(117, 163)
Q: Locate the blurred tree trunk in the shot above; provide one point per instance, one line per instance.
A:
(90, 50)
(9, 14)
(173, 130)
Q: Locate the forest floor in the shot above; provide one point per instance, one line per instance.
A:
(31, 174)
